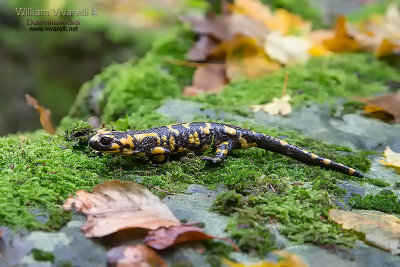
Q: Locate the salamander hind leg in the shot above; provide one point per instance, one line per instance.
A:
(222, 150)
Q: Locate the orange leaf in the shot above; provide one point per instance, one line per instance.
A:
(245, 58)
(44, 113)
(387, 48)
(163, 238)
(288, 260)
(116, 205)
(138, 255)
(342, 41)
(207, 78)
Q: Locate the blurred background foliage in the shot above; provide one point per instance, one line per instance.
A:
(52, 66)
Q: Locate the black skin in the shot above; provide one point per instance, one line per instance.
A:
(160, 142)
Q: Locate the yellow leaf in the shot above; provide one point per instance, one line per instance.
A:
(382, 230)
(392, 158)
(387, 48)
(287, 49)
(282, 20)
(288, 260)
(342, 41)
(244, 58)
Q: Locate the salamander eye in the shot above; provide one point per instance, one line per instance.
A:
(105, 141)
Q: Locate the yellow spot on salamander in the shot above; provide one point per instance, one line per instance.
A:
(160, 158)
(158, 150)
(244, 144)
(195, 134)
(128, 141)
(230, 130)
(164, 138)
(206, 130)
(186, 125)
(101, 131)
(171, 143)
(313, 156)
(224, 151)
(351, 170)
(283, 143)
(175, 131)
(183, 150)
(327, 161)
(127, 151)
(305, 151)
(114, 146)
(205, 147)
(191, 138)
(140, 154)
(142, 136)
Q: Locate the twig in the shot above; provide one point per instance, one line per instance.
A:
(189, 64)
(159, 189)
(285, 84)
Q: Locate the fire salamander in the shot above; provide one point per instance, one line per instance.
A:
(160, 142)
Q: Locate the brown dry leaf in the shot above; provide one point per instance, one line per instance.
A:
(392, 158)
(281, 20)
(208, 78)
(138, 255)
(116, 205)
(381, 230)
(245, 58)
(163, 238)
(45, 114)
(200, 50)
(213, 26)
(287, 49)
(390, 103)
(288, 260)
(342, 41)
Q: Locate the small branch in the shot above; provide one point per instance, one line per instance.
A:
(285, 84)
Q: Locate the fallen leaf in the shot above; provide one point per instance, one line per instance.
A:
(281, 20)
(214, 26)
(44, 113)
(278, 105)
(388, 48)
(317, 39)
(389, 103)
(392, 158)
(208, 78)
(287, 49)
(381, 230)
(288, 260)
(342, 41)
(116, 205)
(244, 58)
(200, 50)
(138, 255)
(165, 237)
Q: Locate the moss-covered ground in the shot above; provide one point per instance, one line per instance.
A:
(39, 171)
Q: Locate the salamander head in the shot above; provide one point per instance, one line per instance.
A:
(105, 141)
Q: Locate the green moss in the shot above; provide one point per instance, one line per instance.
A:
(129, 93)
(377, 182)
(321, 80)
(385, 201)
(226, 201)
(41, 255)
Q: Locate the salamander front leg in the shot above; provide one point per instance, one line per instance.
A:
(222, 151)
(159, 154)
